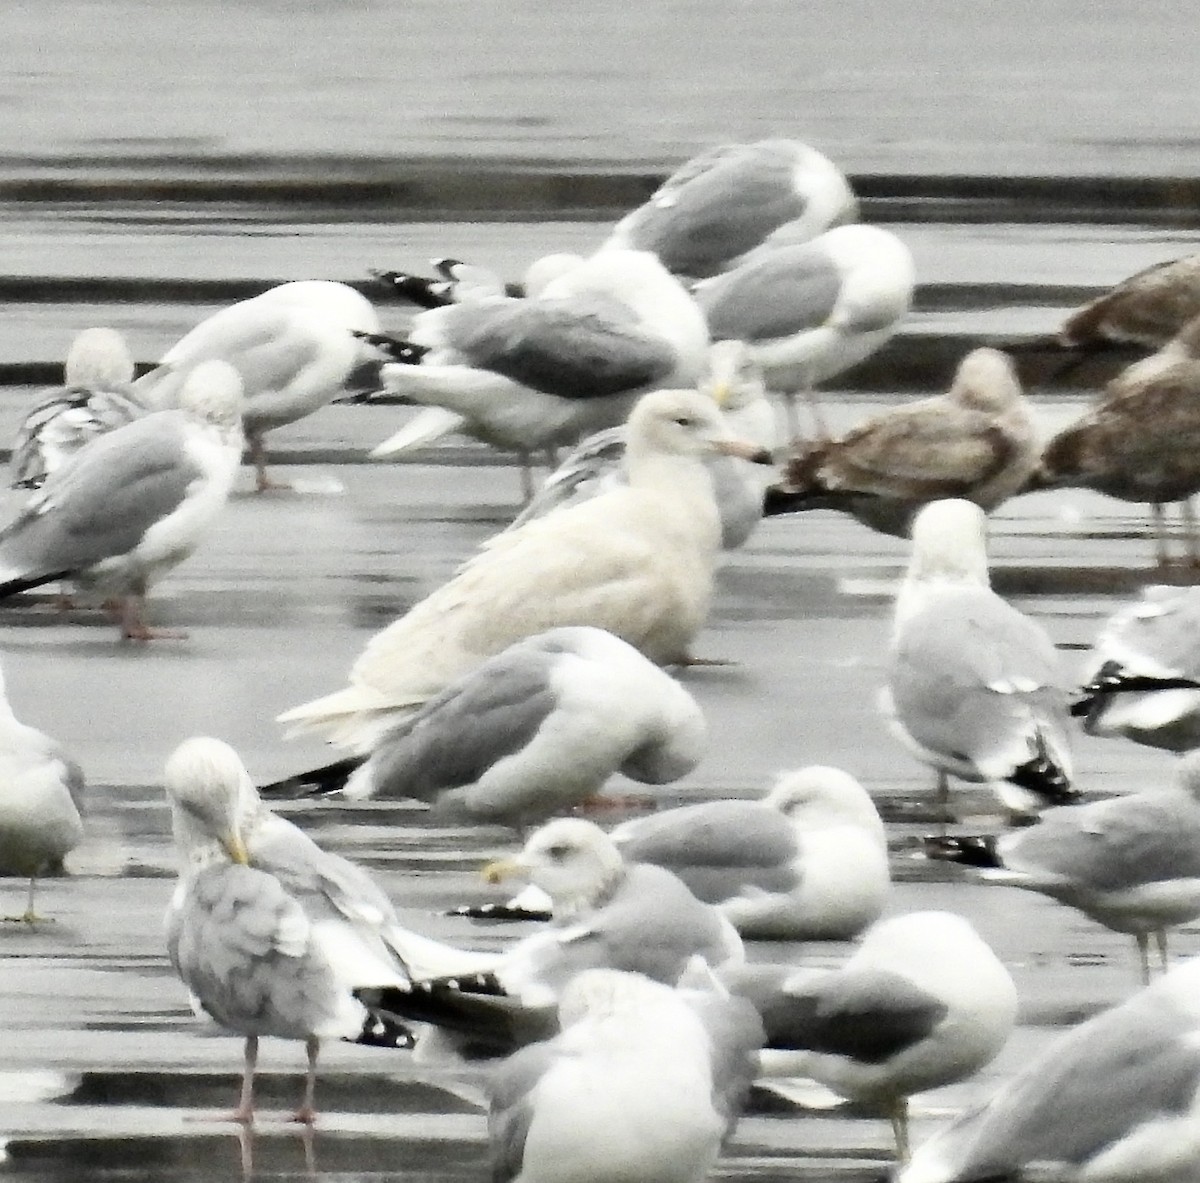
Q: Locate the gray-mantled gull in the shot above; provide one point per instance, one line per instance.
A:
(978, 441)
(923, 1002)
(270, 934)
(293, 345)
(1141, 441)
(608, 914)
(735, 382)
(530, 375)
(1131, 863)
(1115, 1100)
(643, 1082)
(636, 560)
(133, 502)
(1142, 678)
(41, 799)
(812, 310)
(973, 686)
(807, 862)
(96, 397)
(725, 201)
(532, 732)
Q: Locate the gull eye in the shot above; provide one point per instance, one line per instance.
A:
(558, 851)
(682, 420)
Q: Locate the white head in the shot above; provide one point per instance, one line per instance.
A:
(99, 359)
(212, 391)
(544, 271)
(821, 796)
(986, 380)
(949, 542)
(572, 860)
(212, 799)
(684, 423)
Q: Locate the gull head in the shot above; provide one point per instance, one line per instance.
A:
(212, 798)
(572, 860)
(820, 795)
(949, 543)
(986, 381)
(213, 392)
(732, 377)
(99, 359)
(685, 423)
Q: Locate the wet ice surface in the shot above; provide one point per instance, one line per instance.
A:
(105, 1064)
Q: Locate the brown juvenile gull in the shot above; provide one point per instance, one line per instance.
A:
(973, 685)
(807, 862)
(270, 934)
(1131, 863)
(978, 441)
(643, 1082)
(811, 310)
(95, 397)
(637, 560)
(1115, 1100)
(1141, 441)
(294, 347)
(725, 201)
(41, 796)
(532, 732)
(923, 1002)
(134, 502)
(1142, 679)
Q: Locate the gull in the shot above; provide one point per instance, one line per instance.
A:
(40, 803)
(534, 731)
(722, 203)
(134, 502)
(1142, 679)
(637, 561)
(96, 397)
(811, 310)
(1131, 863)
(972, 686)
(923, 1002)
(530, 375)
(734, 380)
(1116, 1099)
(807, 862)
(457, 281)
(644, 1082)
(270, 934)
(1140, 442)
(608, 914)
(294, 347)
(978, 441)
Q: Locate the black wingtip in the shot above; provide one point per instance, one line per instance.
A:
(316, 782)
(394, 348)
(422, 290)
(27, 583)
(968, 850)
(383, 1030)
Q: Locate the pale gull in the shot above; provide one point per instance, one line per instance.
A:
(725, 201)
(1131, 863)
(973, 686)
(807, 862)
(530, 375)
(41, 798)
(923, 1002)
(608, 914)
(1141, 441)
(637, 560)
(735, 382)
(1116, 1100)
(1142, 678)
(532, 732)
(643, 1082)
(812, 310)
(293, 346)
(270, 934)
(95, 397)
(134, 502)
(978, 441)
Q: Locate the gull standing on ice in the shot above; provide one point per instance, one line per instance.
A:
(134, 502)
(973, 686)
(637, 560)
(270, 934)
